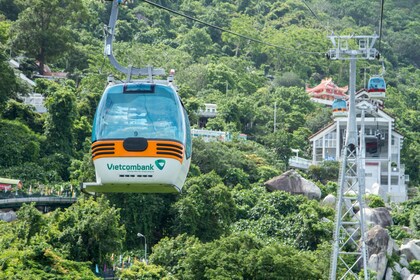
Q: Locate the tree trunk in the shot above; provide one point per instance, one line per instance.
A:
(41, 58)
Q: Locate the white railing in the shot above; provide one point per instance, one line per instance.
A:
(301, 163)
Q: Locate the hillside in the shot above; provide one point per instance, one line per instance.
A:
(225, 222)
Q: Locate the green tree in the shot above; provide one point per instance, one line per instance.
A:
(31, 221)
(206, 208)
(59, 129)
(24, 113)
(243, 256)
(42, 29)
(139, 270)
(197, 43)
(10, 9)
(61, 106)
(326, 171)
(41, 262)
(415, 219)
(170, 252)
(89, 230)
(19, 145)
(245, 25)
(280, 142)
(148, 214)
(8, 83)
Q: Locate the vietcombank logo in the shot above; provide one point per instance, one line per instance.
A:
(160, 164)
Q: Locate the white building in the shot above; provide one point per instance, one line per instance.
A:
(36, 100)
(384, 174)
(212, 135)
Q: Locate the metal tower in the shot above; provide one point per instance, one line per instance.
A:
(349, 249)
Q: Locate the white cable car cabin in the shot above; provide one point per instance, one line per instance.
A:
(376, 87)
(141, 140)
(339, 108)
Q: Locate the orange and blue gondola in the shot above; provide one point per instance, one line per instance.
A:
(376, 87)
(141, 140)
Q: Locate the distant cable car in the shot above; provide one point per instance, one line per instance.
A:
(376, 87)
(372, 144)
(339, 108)
(141, 140)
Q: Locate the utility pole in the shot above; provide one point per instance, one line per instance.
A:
(349, 248)
(275, 117)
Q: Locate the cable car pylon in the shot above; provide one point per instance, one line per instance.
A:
(349, 254)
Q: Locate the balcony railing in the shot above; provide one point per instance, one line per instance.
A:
(301, 163)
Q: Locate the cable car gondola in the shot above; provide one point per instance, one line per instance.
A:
(339, 108)
(140, 140)
(376, 87)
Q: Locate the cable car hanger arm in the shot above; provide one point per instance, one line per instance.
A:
(109, 37)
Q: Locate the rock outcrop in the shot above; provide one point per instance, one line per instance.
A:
(293, 183)
(378, 244)
(8, 216)
(411, 249)
(377, 216)
(329, 200)
(377, 240)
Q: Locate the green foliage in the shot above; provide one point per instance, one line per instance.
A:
(401, 213)
(59, 122)
(398, 233)
(329, 188)
(170, 252)
(240, 256)
(89, 230)
(40, 262)
(280, 141)
(8, 82)
(280, 216)
(206, 208)
(149, 214)
(415, 219)
(374, 201)
(19, 144)
(236, 162)
(326, 171)
(25, 114)
(28, 253)
(140, 270)
(31, 222)
(414, 266)
(223, 193)
(33, 173)
(46, 39)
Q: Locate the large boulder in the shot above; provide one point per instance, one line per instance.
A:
(293, 183)
(405, 273)
(411, 249)
(377, 216)
(378, 262)
(8, 216)
(377, 240)
(329, 200)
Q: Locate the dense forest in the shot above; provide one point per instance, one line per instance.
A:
(224, 225)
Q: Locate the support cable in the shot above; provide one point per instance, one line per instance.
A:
(380, 25)
(317, 18)
(227, 31)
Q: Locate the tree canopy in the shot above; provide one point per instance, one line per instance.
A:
(224, 225)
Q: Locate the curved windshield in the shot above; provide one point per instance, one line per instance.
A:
(139, 110)
(376, 83)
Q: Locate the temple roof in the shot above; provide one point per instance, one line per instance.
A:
(327, 89)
